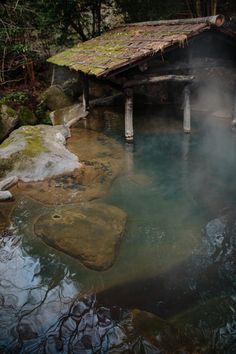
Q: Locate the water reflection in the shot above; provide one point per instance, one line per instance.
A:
(176, 262)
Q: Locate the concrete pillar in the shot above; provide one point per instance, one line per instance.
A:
(129, 130)
(187, 110)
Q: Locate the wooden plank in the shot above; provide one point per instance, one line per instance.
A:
(150, 79)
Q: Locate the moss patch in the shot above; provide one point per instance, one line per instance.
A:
(34, 141)
(11, 112)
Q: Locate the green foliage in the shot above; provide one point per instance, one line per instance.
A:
(16, 97)
(149, 10)
(20, 48)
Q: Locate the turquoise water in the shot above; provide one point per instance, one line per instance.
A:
(177, 260)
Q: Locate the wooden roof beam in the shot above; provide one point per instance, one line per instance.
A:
(217, 20)
(151, 79)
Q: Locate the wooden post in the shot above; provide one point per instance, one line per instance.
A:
(129, 131)
(187, 110)
(234, 110)
(53, 75)
(85, 91)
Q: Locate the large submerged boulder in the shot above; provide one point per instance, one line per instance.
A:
(90, 233)
(33, 153)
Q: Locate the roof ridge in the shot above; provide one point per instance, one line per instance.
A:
(217, 20)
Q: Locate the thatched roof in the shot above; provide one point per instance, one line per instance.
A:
(131, 43)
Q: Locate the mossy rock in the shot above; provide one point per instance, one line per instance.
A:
(8, 120)
(73, 88)
(55, 98)
(36, 152)
(27, 117)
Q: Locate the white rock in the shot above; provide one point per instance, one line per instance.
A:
(5, 195)
(38, 152)
(8, 182)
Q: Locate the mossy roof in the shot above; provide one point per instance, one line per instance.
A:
(126, 45)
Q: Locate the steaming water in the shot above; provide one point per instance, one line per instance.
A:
(177, 260)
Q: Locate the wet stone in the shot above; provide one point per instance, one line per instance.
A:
(3, 223)
(91, 233)
(101, 161)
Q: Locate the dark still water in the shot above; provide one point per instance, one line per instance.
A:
(172, 288)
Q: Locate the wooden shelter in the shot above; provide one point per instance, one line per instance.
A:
(135, 54)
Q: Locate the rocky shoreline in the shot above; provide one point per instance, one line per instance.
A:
(35, 163)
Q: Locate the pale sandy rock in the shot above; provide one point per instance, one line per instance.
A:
(91, 232)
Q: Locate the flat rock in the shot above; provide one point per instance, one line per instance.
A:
(33, 153)
(68, 115)
(91, 233)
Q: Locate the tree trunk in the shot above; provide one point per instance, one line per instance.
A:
(99, 19)
(199, 8)
(94, 22)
